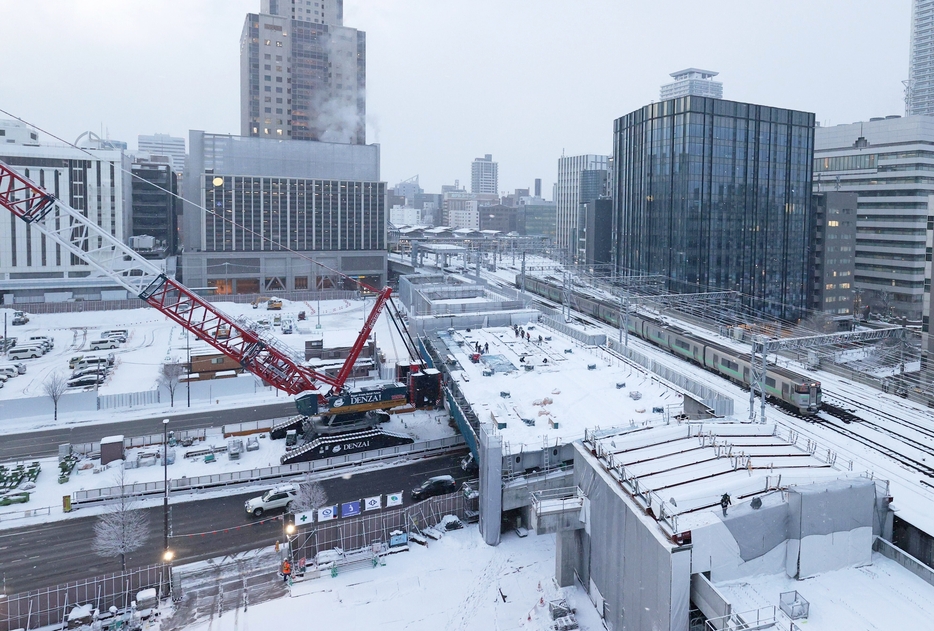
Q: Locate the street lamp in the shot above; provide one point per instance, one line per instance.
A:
(188, 378)
(165, 499)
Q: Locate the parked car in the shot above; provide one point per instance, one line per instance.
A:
(18, 366)
(19, 318)
(7, 342)
(438, 485)
(117, 333)
(74, 361)
(9, 371)
(287, 327)
(278, 497)
(102, 370)
(86, 381)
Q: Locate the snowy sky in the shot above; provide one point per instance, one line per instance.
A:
(450, 81)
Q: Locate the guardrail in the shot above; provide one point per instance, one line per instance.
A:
(183, 485)
(26, 512)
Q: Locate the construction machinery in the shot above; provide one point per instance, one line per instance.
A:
(257, 351)
(272, 304)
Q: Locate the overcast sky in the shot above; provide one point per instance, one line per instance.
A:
(452, 80)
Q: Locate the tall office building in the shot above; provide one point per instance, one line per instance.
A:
(885, 161)
(154, 214)
(484, 175)
(692, 82)
(92, 181)
(715, 195)
(165, 145)
(921, 63)
(302, 73)
(833, 259)
(580, 180)
(249, 201)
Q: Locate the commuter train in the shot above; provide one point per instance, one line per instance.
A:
(785, 386)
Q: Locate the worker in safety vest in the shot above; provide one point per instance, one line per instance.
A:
(286, 570)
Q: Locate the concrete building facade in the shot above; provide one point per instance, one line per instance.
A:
(155, 206)
(484, 176)
(95, 182)
(885, 162)
(572, 190)
(165, 145)
(833, 244)
(251, 204)
(692, 82)
(302, 73)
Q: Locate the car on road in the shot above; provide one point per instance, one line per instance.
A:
(278, 497)
(438, 485)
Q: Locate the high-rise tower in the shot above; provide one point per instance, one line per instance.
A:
(484, 175)
(302, 73)
(920, 96)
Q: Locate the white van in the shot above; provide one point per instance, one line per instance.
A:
(92, 362)
(99, 345)
(9, 371)
(19, 367)
(42, 339)
(24, 352)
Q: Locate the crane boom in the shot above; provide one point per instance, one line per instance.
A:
(260, 353)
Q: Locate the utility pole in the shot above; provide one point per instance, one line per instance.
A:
(188, 379)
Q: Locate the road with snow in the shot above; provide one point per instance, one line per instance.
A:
(59, 551)
(39, 444)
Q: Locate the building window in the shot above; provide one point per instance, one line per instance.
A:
(268, 109)
(301, 282)
(267, 42)
(278, 132)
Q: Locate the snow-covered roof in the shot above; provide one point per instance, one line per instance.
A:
(552, 390)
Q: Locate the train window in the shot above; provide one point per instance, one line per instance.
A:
(785, 389)
(716, 359)
(770, 382)
(682, 344)
(802, 388)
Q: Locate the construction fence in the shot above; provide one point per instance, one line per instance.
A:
(50, 606)
(363, 531)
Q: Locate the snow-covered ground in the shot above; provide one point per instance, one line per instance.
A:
(456, 583)
(46, 497)
(154, 339)
(883, 595)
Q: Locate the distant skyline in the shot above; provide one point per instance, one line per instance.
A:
(524, 80)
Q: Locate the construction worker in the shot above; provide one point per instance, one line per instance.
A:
(724, 502)
(286, 570)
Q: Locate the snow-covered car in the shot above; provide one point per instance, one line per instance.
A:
(278, 497)
(438, 485)
(102, 370)
(86, 381)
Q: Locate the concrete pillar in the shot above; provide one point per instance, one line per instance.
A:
(491, 485)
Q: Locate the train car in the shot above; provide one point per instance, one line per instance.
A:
(783, 385)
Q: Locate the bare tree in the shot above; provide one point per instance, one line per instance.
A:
(311, 496)
(55, 387)
(170, 378)
(123, 528)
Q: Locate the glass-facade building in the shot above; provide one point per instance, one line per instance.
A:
(715, 195)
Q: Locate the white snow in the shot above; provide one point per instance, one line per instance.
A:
(455, 583)
(883, 595)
